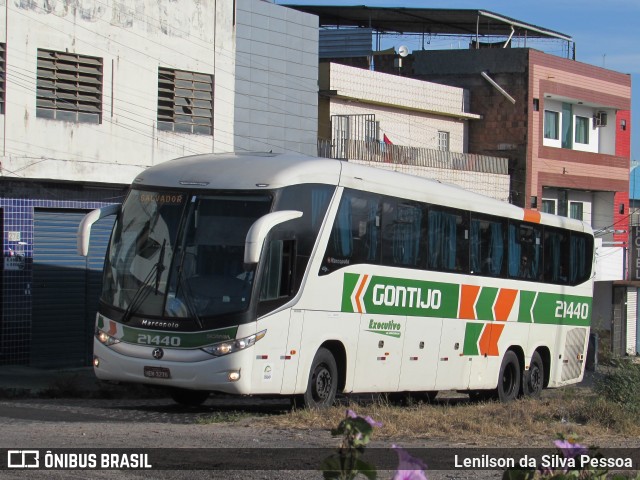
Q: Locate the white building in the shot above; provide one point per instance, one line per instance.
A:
(420, 128)
(91, 94)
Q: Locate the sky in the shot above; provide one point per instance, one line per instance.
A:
(606, 33)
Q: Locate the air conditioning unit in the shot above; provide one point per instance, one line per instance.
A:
(600, 119)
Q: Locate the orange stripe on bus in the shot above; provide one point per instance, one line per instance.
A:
(468, 296)
(359, 292)
(113, 328)
(532, 216)
(504, 304)
(488, 343)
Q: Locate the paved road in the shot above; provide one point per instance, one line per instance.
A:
(159, 424)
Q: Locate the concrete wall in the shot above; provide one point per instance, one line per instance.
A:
(276, 97)
(410, 112)
(491, 185)
(133, 38)
(502, 131)
(265, 94)
(602, 313)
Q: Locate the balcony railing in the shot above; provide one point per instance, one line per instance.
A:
(420, 157)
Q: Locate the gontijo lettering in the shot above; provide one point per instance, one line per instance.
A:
(399, 296)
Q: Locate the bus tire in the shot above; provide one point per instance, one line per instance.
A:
(533, 379)
(323, 381)
(188, 398)
(509, 378)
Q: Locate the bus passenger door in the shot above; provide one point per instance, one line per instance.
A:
(420, 354)
(454, 368)
(291, 354)
(269, 360)
(379, 354)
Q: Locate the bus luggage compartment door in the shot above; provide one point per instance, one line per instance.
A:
(379, 354)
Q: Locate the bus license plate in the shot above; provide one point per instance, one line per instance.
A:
(157, 372)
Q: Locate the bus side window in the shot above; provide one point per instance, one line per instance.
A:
(556, 256)
(525, 251)
(447, 240)
(487, 246)
(402, 224)
(355, 236)
(580, 258)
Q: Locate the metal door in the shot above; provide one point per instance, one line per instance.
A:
(65, 288)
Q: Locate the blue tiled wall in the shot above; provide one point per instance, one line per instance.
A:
(18, 214)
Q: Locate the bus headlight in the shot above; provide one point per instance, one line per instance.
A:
(224, 348)
(105, 339)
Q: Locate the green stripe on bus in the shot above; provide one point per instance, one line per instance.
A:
(484, 305)
(526, 303)
(554, 309)
(350, 282)
(161, 338)
(398, 296)
(471, 337)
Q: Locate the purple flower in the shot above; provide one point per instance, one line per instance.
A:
(372, 422)
(368, 419)
(570, 449)
(409, 467)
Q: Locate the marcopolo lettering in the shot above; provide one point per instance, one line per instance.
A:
(408, 297)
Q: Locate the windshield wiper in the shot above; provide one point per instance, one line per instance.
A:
(160, 265)
(138, 297)
(142, 292)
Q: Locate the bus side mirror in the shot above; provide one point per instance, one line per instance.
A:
(259, 231)
(84, 229)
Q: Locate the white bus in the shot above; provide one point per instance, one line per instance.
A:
(269, 274)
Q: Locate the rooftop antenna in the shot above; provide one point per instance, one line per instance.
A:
(403, 51)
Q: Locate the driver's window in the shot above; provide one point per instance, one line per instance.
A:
(278, 270)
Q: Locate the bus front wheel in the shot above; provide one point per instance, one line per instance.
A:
(509, 378)
(533, 379)
(323, 381)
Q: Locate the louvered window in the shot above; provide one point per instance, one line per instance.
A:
(69, 87)
(185, 101)
(3, 76)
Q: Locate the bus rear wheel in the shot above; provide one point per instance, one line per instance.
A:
(533, 379)
(188, 398)
(509, 378)
(323, 381)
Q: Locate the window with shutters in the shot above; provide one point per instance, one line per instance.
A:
(185, 101)
(3, 76)
(69, 87)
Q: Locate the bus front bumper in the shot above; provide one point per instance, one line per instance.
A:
(228, 374)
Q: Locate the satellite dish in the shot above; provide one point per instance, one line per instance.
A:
(403, 50)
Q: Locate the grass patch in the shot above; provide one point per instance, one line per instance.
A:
(230, 416)
(620, 385)
(583, 414)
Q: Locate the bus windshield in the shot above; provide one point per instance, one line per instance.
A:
(172, 255)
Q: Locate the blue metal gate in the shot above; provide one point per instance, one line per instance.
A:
(65, 288)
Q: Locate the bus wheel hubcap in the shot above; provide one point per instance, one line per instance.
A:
(323, 383)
